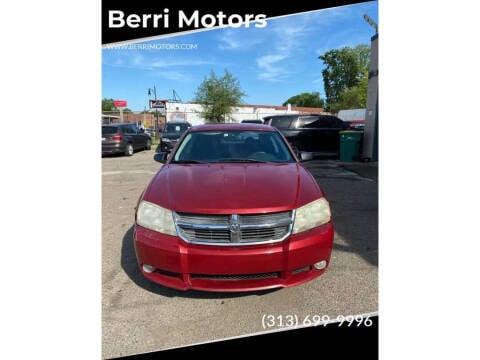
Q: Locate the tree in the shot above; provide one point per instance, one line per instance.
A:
(108, 105)
(218, 95)
(344, 69)
(306, 99)
(354, 97)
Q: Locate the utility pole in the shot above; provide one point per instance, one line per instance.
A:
(370, 134)
(157, 126)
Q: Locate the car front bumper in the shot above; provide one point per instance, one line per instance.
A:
(185, 266)
(167, 146)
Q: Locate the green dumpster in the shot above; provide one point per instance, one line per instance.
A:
(350, 144)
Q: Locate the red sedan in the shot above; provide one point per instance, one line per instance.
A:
(232, 209)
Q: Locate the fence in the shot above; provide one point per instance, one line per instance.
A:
(137, 117)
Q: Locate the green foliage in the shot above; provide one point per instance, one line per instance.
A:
(217, 96)
(344, 69)
(108, 105)
(306, 99)
(354, 97)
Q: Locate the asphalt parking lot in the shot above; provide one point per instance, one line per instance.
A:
(139, 316)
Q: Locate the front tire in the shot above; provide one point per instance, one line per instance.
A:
(129, 150)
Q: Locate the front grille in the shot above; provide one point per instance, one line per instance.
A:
(272, 218)
(261, 276)
(234, 229)
(206, 235)
(203, 219)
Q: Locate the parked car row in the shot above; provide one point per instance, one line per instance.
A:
(309, 134)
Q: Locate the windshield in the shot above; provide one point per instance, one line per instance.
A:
(172, 128)
(232, 146)
(109, 130)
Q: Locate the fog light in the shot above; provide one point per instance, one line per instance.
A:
(320, 265)
(148, 268)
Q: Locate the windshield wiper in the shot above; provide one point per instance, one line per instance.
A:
(187, 162)
(241, 160)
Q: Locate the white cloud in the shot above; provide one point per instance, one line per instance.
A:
(292, 34)
(134, 60)
(239, 39)
(179, 62)
(270, 71)
(265, 61)
(228, 41)
(174, 75)
(138, 60)
(285, 35)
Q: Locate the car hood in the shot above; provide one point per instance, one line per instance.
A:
(232, 188)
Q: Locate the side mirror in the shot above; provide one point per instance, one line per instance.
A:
(161, 157)
(306, 156)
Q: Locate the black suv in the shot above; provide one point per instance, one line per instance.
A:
(312, 133)
(124, 138)
(253, 121)
(170, 135)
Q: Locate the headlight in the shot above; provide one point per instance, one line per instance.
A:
(165, 139)
(155, 218)
(312, 215)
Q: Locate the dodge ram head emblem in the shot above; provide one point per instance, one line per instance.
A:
(235, 232)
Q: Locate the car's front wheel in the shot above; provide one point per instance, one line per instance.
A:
(129, 150)
(148, 144)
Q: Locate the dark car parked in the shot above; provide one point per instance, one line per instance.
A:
(124, 138)
(170, 135)
(252, 121)
(314, 134)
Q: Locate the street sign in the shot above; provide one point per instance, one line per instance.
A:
(160, 105)
(157, 104)
(120, 103)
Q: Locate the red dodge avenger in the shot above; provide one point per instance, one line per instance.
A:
(232, 209)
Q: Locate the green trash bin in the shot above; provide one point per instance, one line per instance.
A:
(350, 144)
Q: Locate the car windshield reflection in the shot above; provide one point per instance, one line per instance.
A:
(232, 146)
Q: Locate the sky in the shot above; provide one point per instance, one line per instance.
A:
(272, 63)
